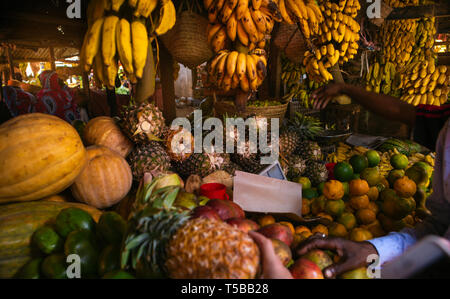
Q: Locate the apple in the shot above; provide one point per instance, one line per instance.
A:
(205, 212)
(319, 257)
(244, 225)
(282, 251)
(277, 231)
(226, 209)
(305, 269)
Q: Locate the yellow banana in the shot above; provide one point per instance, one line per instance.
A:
(226, 83)
(256, 4)
(167, 18)
(95, 11)
(305, 28)
(99, 68)
(232, 27)
(145, 8)
(235, 81)
(259, 20)
(124, 46)
(251, 69)
(133, 3)
(241, 65)
(139, 38)
(225, 15)
(284, 13)
(109, 39)
(293, 7)
(317, 12)
(250, 26)
(214, 61)
(212, 30)
(245, 85)
(242, 7)
(219, 40)
(111, 73)
(220, 68)
(231, 63)
(242, 34)
(302, 7)
(207, 4)
(93, 42)
(232, 3)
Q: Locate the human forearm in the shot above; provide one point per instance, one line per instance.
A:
(384, 105)
(392, 245)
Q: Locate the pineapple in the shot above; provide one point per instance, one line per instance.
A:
(306, 127)
(294, 167)
(163, 241)
(309, 150)
(143, 123)
(174, 139)
(316, 172)
(202, 164)
(250, 162)
(150, 158)
(288, 142)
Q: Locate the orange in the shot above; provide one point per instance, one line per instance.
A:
(325, 215)
(266, 220)
(300, 229)
(318, 205)
(376, 229)
(373, 193)
(306, 234)
(306, 206)
(321, 229)
(359, 202)
(360, 235)
(405, 187)
(348, 220)
(358, 187)
(384, 182)
(374, 207)
(348, 208)
(333, 190)
(288, 224)
(335, 207)
(337, 230)
(366, 216)
(298, 238)
(371, 175)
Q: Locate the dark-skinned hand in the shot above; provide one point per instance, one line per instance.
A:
(322, 96)
(352, 254)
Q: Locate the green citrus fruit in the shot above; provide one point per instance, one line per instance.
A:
(109, 259)
(346, 187)
(348, 220)
(337, 230)
(47, 240)
(320, 188)
(373, 158)
(359, 273)
(71, 219)
(306, 183)
(371, 175)
(335, 207)
(31, 270)
(343, 172)
(399, 161)
(359, 163)
(394, 175)
(83, 243)
(118, 274)
(54, 266)
(310, 193)
(111, 227)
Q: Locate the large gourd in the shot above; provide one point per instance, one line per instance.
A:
(40, 155)
(18, 221)
(104, 131)
(106, 179)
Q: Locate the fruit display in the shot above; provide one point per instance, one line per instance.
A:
(40, 155)
(113, 36)
(18, 222)
(105, 168)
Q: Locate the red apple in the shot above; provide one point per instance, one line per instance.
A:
(226, 209)
(282, 251)
(244, 225)
(277, 231)
(319, 257)
(305, 269)
(205, 212)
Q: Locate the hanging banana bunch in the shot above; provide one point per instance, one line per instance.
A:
(119, 31)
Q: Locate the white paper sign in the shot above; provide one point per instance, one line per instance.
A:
(255, 193)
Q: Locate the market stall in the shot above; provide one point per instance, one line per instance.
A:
(135, 196)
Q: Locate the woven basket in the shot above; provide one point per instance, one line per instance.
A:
(228, 108)
(187, 41)
(289, 39)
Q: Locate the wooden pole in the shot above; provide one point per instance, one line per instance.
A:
(86, 86)
(11, 64)
(274, 74)
(337, 75)
(168, 86)
(52, 58)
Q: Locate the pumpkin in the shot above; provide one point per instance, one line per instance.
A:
(18, 221)
(104, 131)
(405, 187)
(106, 179)
(333, 190)
(358, 187)
(40, 155)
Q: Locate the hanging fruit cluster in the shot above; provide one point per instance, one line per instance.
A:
(233, 69)
(337, 39)
(383, 78)
(245, 25)
(426, 84)
(402, 3)
(399, 39)
(425, 32)
(119, 31)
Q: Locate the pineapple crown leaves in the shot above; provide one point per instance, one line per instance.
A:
(307, 127)
(154, 220)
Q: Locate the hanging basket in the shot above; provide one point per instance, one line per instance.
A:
(187, 41)
(290, 40)
(228, 108)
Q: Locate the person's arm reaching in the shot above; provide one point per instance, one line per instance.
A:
(384, 105)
